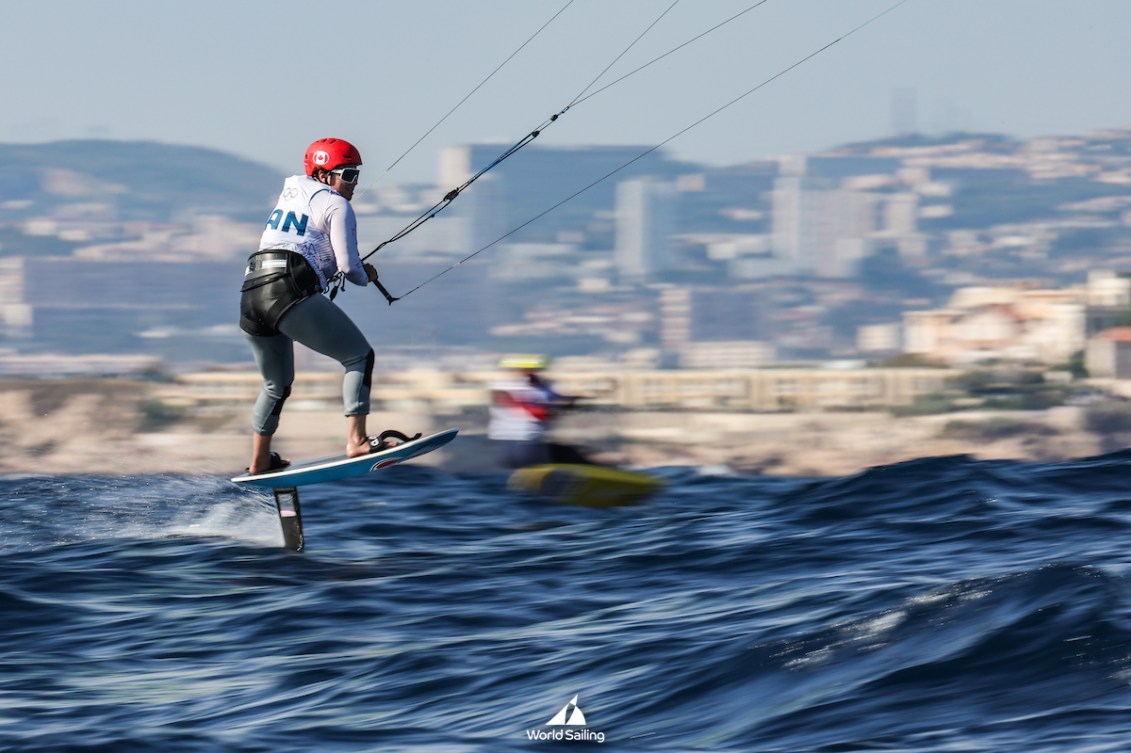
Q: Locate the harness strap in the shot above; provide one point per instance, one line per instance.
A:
(275, 280)
(258, 282)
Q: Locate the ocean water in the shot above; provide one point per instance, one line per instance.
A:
(945, 604)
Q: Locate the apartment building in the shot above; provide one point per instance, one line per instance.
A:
(1018, 322)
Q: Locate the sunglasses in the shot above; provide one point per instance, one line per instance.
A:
(348, 174)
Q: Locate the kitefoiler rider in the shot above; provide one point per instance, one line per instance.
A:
(308, 247)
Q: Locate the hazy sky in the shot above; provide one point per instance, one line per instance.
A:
(262, 79)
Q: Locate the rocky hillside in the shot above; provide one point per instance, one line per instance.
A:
(130, 180)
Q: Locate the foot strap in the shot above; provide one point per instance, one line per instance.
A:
(383, 440)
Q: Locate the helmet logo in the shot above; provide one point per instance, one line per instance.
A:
(321, 158)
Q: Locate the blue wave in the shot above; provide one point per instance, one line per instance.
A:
(941, 604)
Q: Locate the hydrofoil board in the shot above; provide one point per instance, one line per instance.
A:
(285, 483)
(340, 467)
(589, 485)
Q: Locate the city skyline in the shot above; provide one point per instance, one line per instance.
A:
(261, 80)
(901, 229)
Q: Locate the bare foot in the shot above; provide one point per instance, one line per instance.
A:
(374, 444)
(266, 464)
(356, 450)
(255, 470)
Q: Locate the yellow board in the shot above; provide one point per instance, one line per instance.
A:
(591, 485)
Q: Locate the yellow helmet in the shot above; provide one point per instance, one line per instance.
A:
(528, 362)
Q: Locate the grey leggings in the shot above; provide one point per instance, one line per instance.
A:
(323, 327)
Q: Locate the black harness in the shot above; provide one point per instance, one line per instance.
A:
(273, 283)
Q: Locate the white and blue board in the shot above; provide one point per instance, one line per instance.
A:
(340, 467)
(284, 483)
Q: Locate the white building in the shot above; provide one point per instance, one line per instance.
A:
(1006, 323)
(644, 226)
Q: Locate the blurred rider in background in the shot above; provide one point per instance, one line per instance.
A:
(522, 406)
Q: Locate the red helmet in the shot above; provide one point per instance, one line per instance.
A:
(327, 154)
